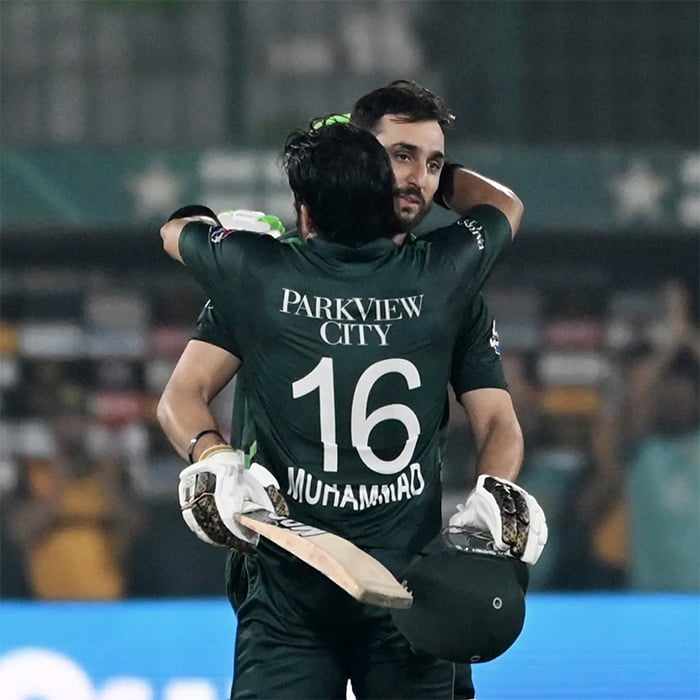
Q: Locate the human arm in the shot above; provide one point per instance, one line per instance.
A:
(496, 504)
(216, 486)
(481, 389)
(460, 189)
(227, 221)
(202, 371)
(170, 233)
(496, 430)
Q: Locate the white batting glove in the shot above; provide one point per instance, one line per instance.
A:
(214, 489)
(248, 220)
(513, 517)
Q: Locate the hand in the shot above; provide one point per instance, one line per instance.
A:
(218, 486)
(513, 517)
(248, 220)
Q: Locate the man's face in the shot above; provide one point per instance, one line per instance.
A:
(417, 153)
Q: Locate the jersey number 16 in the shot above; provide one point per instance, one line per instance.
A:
(361, 424)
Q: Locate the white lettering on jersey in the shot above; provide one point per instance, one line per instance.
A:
(334, 333)
(304, 487)
(476, 229)
(345, 320)
(494, 340)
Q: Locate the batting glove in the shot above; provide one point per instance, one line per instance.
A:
(513, 517)
(218, 486)
(248, 220)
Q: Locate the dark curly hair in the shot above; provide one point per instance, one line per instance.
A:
(344, 177)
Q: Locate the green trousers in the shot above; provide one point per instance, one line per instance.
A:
(300, 637)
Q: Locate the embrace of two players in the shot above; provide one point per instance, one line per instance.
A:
(346, 335)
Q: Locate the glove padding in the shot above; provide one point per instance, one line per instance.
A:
(218, 486)
(513, 517)
(249, 220)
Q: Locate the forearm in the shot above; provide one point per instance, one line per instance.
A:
(498, 506)
(501, 451)
(496, 430)
(182, 416)
(470, 189)
(184, 407)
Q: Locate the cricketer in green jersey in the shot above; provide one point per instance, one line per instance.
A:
(358, 331)
(478, 379)
(410, 140)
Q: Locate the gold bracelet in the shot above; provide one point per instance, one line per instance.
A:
(214, 449)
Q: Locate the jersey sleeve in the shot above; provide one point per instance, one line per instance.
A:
(217, 262)
(487, 233)
(476, 361)
(211, 328)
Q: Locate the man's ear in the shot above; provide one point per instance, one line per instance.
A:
(306, 225)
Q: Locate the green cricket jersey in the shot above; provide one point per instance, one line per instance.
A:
(346, 356)
(476, 362)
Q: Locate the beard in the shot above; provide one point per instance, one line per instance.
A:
(409, 219)
(410, 216)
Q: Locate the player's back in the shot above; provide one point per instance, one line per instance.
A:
(347, 357)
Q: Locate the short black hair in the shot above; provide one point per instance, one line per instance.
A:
(405, 97)
(343, 175)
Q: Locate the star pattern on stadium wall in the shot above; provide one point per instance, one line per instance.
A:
(638, 193)
(155, 191)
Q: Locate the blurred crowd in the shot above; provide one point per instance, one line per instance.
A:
(602, 363)
(88, 486)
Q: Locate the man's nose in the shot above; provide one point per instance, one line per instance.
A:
(418, 174)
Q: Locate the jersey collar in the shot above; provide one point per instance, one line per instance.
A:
(374, 250)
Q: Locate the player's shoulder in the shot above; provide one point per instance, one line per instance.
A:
(251, 243)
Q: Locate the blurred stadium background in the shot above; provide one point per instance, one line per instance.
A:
(113, 113)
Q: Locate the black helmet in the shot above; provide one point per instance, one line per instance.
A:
(468, 599)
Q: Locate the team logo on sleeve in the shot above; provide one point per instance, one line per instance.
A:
(494, 340)
(218, 233)
(476, 229)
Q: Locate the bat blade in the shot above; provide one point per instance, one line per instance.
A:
(355, 571)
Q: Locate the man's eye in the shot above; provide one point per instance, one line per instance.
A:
(402, 156)
(435, 166)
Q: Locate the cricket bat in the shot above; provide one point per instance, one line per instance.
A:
(355, 571)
